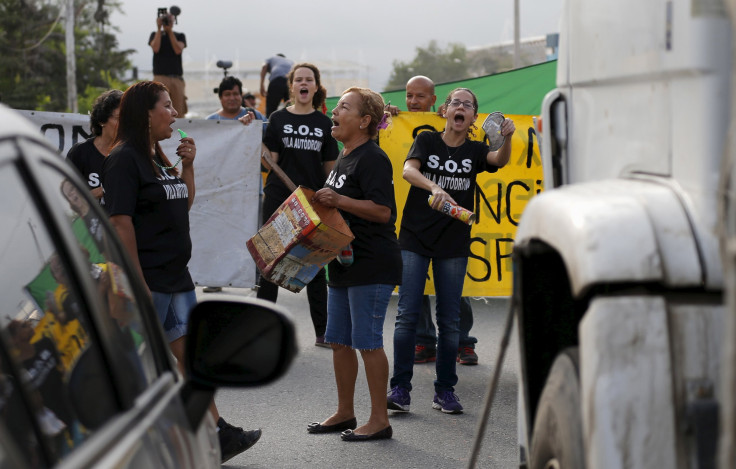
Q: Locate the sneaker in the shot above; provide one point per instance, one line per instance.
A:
(320, 342)
(447, 402)
(423, 354)
(398, 399)
(212, 289)
(467, 356)
(234, 440)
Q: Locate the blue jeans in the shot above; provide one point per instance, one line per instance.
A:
(355, 315)
(173, 311)
(427, 334)
(449, 276)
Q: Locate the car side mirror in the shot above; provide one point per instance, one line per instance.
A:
(236, 342)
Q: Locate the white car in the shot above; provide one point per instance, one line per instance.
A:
(86, 376)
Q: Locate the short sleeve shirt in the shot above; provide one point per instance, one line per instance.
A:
(88, 161)
(429, 232)
(304, 143)
(166, 61)
(159, 208)
(278, 66)
(366, 174)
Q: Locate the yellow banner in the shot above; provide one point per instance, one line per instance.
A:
(500, 197)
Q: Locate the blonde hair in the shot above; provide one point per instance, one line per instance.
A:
(371, 104)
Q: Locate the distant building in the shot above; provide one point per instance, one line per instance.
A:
(495, 58)
(553, 43)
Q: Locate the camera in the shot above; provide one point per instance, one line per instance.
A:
(164, 14)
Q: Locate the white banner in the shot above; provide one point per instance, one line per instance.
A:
(227, 176)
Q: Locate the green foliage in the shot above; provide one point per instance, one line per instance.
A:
(21, 61)
(440, 65)
(487, 62)
(87, 96)
(453, 64)
(32, 53)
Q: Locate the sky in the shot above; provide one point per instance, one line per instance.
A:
(374, 34)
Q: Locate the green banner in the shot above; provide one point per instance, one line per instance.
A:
(518, 92)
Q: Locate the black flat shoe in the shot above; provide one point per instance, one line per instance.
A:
(350, 435)
(316, 427)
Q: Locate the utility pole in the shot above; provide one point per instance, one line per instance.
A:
(71, 64)
(517, 59)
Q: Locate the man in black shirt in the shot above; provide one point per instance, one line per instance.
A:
(167, 69)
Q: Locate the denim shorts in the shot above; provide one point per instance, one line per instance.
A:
(173, 312)
(355, 315)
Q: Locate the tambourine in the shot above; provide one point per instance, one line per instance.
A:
(492, 127)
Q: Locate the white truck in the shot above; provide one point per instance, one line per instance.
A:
(618, 275)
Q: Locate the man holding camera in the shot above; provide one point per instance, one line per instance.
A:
(167, 48)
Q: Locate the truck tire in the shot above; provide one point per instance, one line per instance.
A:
(557, 438)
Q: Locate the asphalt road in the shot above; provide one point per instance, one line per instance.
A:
(423, 438)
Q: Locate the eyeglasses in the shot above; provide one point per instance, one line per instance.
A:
(458, 103)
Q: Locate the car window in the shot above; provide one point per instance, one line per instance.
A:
(42, 323)
(54, 348)
(120, 305)
(16, 422)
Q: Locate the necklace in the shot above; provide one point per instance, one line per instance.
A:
(447, 147)
(166, 167)
(457, 149)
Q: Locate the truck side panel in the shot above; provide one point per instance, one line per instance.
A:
(626, 386)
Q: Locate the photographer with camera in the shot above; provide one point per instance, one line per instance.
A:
(167, 47)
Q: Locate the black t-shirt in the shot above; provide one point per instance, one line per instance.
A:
(429, 232)
(88, 160)
(159, 207)
(166, 61)
(304, 142)
(366, 174)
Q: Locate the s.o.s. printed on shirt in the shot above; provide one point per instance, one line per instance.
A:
(335, 180)
(450, 166)
(173, 186)
(298, 138)
(449, 182)
(93, 180)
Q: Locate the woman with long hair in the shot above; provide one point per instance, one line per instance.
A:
(299, 139)
(148, 199)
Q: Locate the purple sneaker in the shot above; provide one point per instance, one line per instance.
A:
(447, 402)
(398, 399)
(320, 342)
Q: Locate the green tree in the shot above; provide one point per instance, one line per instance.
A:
(487, 62)
(440, 65)
(32, 53)
(456, 63)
